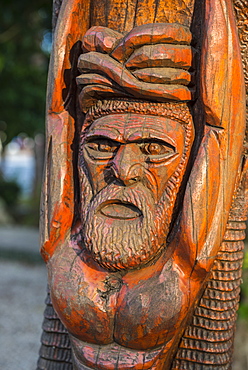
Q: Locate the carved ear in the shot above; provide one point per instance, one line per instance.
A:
(58, 191)
(211, 185)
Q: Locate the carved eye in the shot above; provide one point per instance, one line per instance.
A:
(107, 146)
(101, 148)
(156, 149)
(152, 149)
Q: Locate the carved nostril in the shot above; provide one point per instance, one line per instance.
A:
(126, 167)
(131, 180)
(126, 179)
(134, 179)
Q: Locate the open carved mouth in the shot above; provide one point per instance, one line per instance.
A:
(120, 210)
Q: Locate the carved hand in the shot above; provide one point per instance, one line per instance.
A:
(152, 60)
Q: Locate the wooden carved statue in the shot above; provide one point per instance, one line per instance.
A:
(145, 195)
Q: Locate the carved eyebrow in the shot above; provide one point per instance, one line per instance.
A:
(138, 141)
(153, 140)
(101, 137)
(103, 134)
(140, 135)
(158, 137)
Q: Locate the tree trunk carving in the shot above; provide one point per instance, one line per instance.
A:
(145, 200)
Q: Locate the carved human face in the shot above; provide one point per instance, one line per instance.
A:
(126, 211)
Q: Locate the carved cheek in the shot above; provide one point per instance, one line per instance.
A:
(98, 173)
(161, 173)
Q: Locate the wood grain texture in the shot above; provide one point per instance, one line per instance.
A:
(123, 16)
(241, 7)
(57, 202)
(56, 9)
(214, 318)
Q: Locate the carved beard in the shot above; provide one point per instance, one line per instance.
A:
(125, 244)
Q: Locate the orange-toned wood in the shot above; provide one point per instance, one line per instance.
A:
(146, 171)
(123, 16)
(58, 192)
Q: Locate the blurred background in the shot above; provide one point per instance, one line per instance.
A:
(25, 45)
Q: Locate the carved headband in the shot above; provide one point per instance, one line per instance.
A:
(176, 111)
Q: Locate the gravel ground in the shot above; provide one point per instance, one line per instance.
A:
(22, 292)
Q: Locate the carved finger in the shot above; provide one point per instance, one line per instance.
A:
(90, 94)
(95, 86)
(149, 34)
(100, 39)
(161, 55)
(93, 78)
(164, 76)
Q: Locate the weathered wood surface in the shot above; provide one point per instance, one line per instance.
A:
(150, 305)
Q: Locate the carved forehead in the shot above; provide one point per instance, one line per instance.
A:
(174, 111)
(133, 126)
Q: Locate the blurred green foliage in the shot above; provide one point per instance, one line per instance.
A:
(24, 27)
(243, 309)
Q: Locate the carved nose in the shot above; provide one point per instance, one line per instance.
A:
(127, 164)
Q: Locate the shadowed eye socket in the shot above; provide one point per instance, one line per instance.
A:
(101, 148)
(105, 149)
(156, 150)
